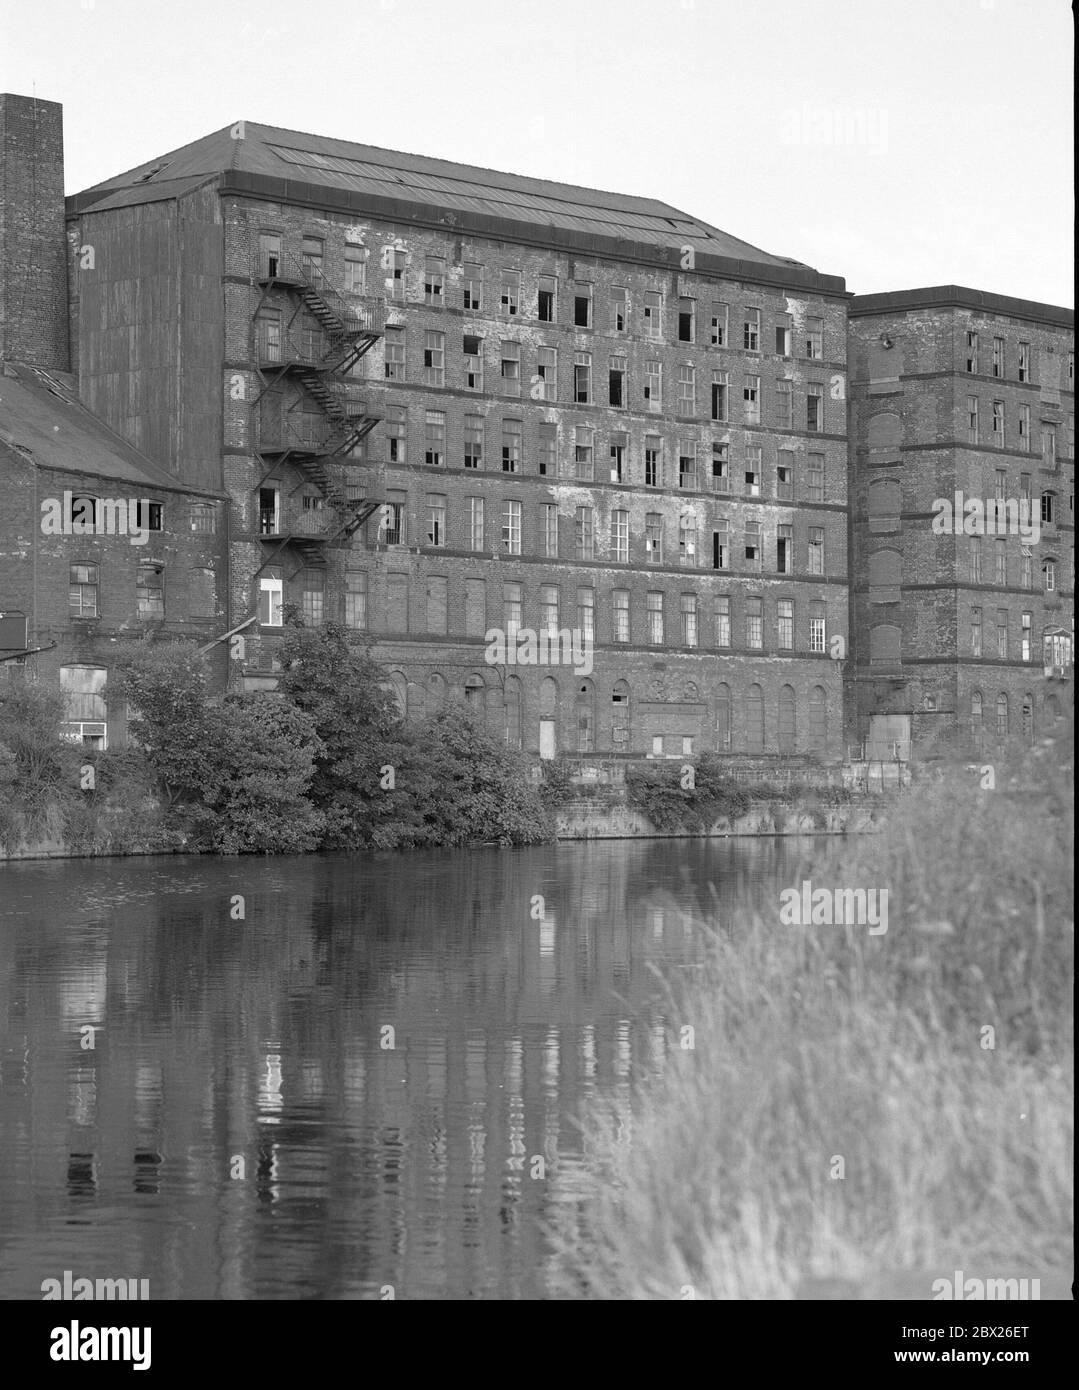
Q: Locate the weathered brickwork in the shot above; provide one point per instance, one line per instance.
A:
(33, 302)
(949, 629)
(427, 649)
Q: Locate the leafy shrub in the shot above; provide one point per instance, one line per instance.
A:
(657, 791)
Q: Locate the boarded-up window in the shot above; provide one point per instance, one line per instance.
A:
(818, 717)
(397, 603)
(475, 607)
(723, 718)
(884, 644)
(885, 432)
(755, 720)
(436, 604)
(885, 567)
(202, 593)
(787, 733)
(885, 498)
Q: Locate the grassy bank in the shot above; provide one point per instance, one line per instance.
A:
(822, 1050)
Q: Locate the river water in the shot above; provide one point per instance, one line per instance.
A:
(333, 1076)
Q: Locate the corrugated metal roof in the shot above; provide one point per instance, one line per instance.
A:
(58, 431)
(366, 169)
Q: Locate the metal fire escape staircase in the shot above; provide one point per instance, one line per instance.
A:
(317, 361)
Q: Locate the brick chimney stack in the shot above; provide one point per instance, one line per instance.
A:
(33, 249)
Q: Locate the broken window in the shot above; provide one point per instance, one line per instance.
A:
(510, 299)
(718, 325)
(548, 299)
(472, 345)
(751, 330)
(653, 314)
(547, 371)
(753, 470)
(473, 437)
(653, 538)
(355, 269)
(83, 591)
(687, 540)
(653, 387)
(751, 397)
(687, 465)
(472, 286)
(434, 281)
(815, 407)
(511, 368)
(617, 304)
(511, 446)
(434, 358)
(816, 550)
(998, 356)
(785, 476)
(721, 476)
(783, 336)
(150, 591)
(719, 396)
(547, 446)
(619, 444)
(436, 518)
(687, 320)
(653, 460)
(752, 540)
(784, 549)
(814, 338)
(435, 437)
(394, 353)
(721, 543)
(617, 381)
(396, 431)
(582, 306)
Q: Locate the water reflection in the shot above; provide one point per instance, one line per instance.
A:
(362, 1081)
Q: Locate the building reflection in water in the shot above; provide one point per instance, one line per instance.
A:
(248, 1126)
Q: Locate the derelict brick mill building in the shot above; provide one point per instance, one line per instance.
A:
(442, 400)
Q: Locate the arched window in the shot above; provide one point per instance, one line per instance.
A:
(512, 712)
(620, 717)
(1049, 575)
(976, 719)
(1028, 717)
(548, 717)
(1052, 708)
(474, 687)
(586, 717)
(436, 694)
(755, 720)
(415, 701)
(1002, 716)
(818, 719)
(886, 432)
(723, 718)
(787, 731)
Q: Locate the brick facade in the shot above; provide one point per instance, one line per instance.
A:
(938, 406)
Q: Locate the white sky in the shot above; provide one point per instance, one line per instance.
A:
(897, 144)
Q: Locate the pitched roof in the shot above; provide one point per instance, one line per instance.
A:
(43, 419)
(365, 170)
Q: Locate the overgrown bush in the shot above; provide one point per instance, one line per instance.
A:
(674, 801)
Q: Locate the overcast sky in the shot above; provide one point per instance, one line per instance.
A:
(921, 143)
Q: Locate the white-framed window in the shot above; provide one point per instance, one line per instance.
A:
(511, 527)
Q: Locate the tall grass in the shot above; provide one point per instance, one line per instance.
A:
(822, 1050)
